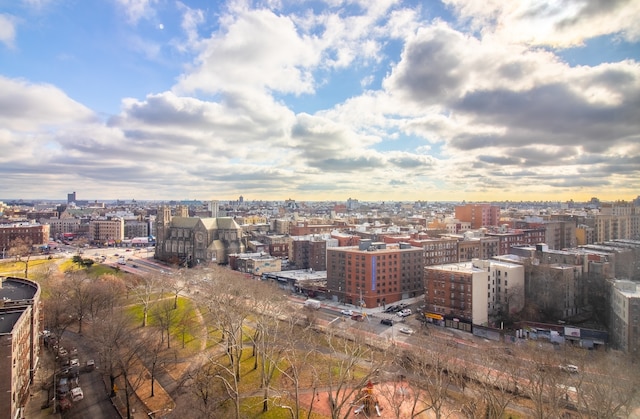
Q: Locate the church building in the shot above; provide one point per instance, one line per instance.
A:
(190, 241)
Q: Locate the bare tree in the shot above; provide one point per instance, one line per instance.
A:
(225, 372)
(299, 358)
(166, 317)
(541, 381)
(145, 291)
(57, 312)
(154, 354)
(272, 328)
(207, 391)
(186, 323)
(79, 295)
(106, 294)
(109, 335)
(611, 386)
(433, 370)
(22, 249)
(177, 284)
(497, 381)
(346, 374)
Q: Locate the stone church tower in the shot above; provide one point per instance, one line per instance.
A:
(163, 222)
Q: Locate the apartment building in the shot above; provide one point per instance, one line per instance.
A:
(59, 226)
(438, 251)
(456, 295)
(584, 235)
(620, 220)
(136, 228)
(36, 234)
(478, 215)
(505, 286)
(624, 327)
(107, 232)
(374, 274)
(509, 238)
(309, 252)
(20, 327)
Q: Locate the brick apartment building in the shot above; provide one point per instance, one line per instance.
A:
(309, 252)
(36, 234)
(377, 273)
(106, 231)
(531, 236)
(20, 327)
(479, 215)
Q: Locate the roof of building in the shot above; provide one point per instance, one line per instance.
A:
(9, 319)
(185, 222)
(14, 289)
(455, 267)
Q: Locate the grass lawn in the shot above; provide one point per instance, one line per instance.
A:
(184, 325)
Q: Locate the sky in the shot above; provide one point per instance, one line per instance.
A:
(451, 100)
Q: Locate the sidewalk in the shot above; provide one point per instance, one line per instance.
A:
(37, 395)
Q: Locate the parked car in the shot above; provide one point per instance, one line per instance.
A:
(569, 368)
(63, 386)
(387, 322)
(406, 331)
(404, 313)
(91, 365)
(77, 394)
(391, 309)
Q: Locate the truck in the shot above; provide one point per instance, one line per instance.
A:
(312, 304)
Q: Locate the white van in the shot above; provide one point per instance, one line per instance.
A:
(312, 304)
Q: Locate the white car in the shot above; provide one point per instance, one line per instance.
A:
(74, 363)
(347, 312)
(77, 394)
(569, 368)
(406, 331)
(404, 313)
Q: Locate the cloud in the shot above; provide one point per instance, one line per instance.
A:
(26, 106)
(256, 51)
(559, 24)
(137, 9)
(7, 30)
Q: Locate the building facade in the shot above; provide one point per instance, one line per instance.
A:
(375, 274)
(479, 215)
(35, 234)
(106, 232)
(625, 317)
(309, 253)
(456, 295)
(20, 327)
(191, 241)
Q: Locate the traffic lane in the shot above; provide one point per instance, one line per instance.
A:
(96, 402)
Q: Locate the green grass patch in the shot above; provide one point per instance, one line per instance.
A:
(11, 267)
(183, 314)
(251, 407)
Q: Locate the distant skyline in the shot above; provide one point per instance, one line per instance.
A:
(476, 100)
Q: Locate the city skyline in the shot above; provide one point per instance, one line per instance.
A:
(379, 101)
